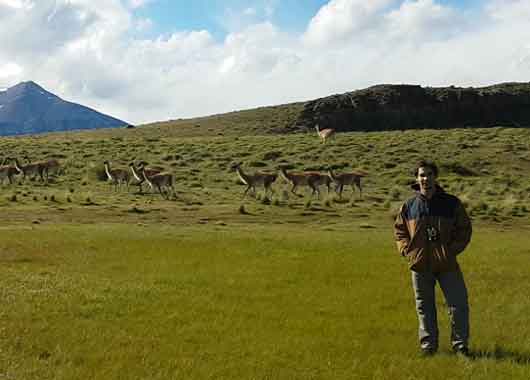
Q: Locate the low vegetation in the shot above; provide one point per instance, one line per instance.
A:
(485, 167)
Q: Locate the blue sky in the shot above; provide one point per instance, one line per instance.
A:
(153, 60)
(173, 15)
(291, 15)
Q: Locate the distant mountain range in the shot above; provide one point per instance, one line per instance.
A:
(27, 108)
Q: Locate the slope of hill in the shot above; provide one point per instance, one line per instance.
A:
(27, 108)
(278, 119)
(377, 108)
(483, 166)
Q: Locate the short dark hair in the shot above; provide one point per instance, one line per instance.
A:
(426, 164)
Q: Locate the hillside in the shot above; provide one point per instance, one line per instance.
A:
(377, 108)
(279, 119)
(483, 166)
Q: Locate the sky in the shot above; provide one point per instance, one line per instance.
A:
(155, 60)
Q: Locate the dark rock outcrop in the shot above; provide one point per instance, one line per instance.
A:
(27, 108)
(395, 107)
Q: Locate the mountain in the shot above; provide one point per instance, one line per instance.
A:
(27, 108)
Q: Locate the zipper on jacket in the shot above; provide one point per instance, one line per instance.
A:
(428, 250)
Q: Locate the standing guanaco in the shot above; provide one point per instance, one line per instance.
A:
(311, 179)
(117, 177)
(325, 134)
(347, 179)
(160, 180)
(138, 175)
(257, 179)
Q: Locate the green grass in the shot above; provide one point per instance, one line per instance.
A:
(119, 301)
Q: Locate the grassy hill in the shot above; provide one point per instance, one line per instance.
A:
(484, 166)
(259, 121)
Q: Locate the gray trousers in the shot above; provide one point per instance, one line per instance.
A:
(455, 292)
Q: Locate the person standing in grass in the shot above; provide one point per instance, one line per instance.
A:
(431, 229)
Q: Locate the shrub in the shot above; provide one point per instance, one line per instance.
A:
(480, 206)
(395, 194)
(265, 200)
(97, 173)
(457, 168)
(257, 164)
(272, 156)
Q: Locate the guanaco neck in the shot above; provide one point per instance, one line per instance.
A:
(135, 174)
(245, 178)
(142, 171)
(17, 166)
(332, 175)
(107, 170)
(285, 175)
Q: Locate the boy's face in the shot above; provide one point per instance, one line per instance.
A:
(427, 181)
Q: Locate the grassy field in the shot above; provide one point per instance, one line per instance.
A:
(485, 167)
(104, 284)
(116, 301)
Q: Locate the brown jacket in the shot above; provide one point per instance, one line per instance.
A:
(445, 218)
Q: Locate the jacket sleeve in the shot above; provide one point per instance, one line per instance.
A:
(462, 231)
(401, 232)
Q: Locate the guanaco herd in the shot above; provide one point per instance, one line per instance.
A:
(163, 181)
(311, 179)
(41, 169)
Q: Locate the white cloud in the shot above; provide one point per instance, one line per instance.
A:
(10, 70)
(42, 28)
(509, 10)
(344, 19)
(17, 4)
(423, 20)
(86, 51)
